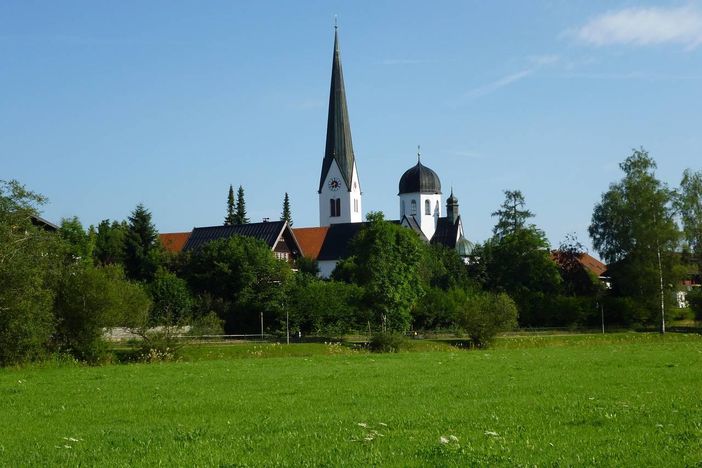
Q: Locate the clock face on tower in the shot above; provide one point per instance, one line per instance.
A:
(334, 184)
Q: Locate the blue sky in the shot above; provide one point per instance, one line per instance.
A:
(107, 104)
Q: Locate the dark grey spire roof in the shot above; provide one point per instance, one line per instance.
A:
(452, 200)
(339, 147)
(419, 179)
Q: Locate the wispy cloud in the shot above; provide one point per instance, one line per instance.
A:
(536, 61)
(643, 26)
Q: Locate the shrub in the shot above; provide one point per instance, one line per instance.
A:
(208, 324)
(90, 299)
(172, 302)
(386, 342)
(483, 315)
(694, 298)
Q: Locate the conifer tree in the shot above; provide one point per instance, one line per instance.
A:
(230, 219)
(141, 245)
(241, 207)
(285, 215)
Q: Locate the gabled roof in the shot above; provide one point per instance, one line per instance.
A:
(269, 233)
(339, 147)
(446, 232)
(336, 242)
(174, 241)
(588, 262)
(311, 240)
(412, 223)
(43, 223)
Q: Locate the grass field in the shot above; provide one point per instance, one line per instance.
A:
(617, 400)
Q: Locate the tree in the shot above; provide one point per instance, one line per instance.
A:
(244, 275)
(90, 299)
(385, 260)
(171, 301)
(689, 205)
(511, 216)
(241, 207)
(285, 215)
(109, 242)
(81, 243)
(30, 260)
(577, 280)
(634, 231)
(141, 246)
(230, 219)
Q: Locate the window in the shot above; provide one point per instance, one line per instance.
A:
(427, 207)
(402, 208)
(281, 255)
(413, 208)
(355, 205)
(437, 210)
(335, 207)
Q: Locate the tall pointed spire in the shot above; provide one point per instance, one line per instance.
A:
(339, 147)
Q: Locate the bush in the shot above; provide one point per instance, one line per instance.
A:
(208, 324)
(172, 302)
(483, 315)
(694, 298)
(386, 342)
(90, 299)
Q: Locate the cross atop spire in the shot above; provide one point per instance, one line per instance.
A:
(419, 154)
(339, 147)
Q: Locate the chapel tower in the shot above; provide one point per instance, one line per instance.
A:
(339, 186)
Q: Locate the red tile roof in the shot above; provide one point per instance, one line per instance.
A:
(592, 264)
(588, 262)
(311, 240)
(174, 241)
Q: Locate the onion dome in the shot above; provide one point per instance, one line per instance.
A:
(419, 179)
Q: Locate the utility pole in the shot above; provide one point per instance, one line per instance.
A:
(261, 325)
(660, 276)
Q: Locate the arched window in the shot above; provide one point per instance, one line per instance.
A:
(437, 210)
(413, 208)
(402, 208)
(427, 207)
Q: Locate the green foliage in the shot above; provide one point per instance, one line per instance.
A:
(240, 216)
(109, 242)
(577, 280)
(386, 342)
(688, 203)
(230, 219)
(325, 307)
(142, 250)
(307, 266)
(632, 227)
(89, 299)
(80, 243)
(512, 215)
(386, 260)
(435, 310)
(29, 265)
(243, 273)
(286, 215)
(694, 298)
(482, 315)
(554, 310)
(208, 324)
(172, 302)
(520, 263)
(443, 268)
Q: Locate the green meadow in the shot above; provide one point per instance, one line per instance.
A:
(613, 400)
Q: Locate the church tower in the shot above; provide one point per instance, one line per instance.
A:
(339, 186)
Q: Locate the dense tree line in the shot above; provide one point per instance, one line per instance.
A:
(59, 291)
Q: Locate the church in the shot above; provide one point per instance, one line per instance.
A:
(340, 201)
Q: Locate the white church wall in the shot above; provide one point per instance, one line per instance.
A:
(350, 201)
(427, 222)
